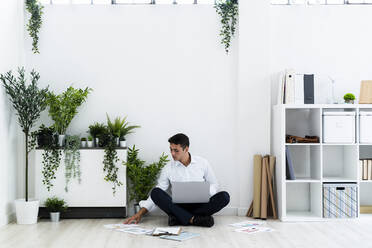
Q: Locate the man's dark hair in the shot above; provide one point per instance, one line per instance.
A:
(180, 139)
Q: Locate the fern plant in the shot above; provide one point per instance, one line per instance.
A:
(120, 127)
(34, 23)
(142, 178)
(228, 11)
(72, 159)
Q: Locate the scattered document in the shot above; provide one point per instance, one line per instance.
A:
(135, 230)
(166, 231)
(181, 237)
(246, 224)
(254, 229)
(118, 226)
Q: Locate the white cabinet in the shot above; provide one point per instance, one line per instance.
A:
(93, 191)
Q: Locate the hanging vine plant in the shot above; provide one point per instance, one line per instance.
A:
(228, 11)
(51, 161)
(34, 23)
(110, 160)
(72, 159)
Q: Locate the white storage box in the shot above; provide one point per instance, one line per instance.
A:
(339, 127)
(365, 131)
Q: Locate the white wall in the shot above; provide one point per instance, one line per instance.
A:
(163, 66)
(325, 40)
(11, 52)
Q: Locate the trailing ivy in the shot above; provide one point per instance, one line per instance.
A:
(72, 159)
(110, 159)
(228, 11)
(34, 23)
(51, 161)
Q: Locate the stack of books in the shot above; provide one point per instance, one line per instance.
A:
(365, 169)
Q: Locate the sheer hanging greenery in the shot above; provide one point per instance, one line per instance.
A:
(28, 101)
(142, 178)
(51, 161)
(110, 159)
(63, 107)
(72, 159)
(228, 11)
(34, 23)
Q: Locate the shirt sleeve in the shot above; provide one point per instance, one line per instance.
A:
(211, 178)
(163, 183)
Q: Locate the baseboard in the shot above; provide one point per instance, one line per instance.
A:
(6, 219)
(88, 212)
(242, 211)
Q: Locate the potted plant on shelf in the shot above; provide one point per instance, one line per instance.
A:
(55, 206)
(44, 136)
(349, 98)
(120, 128)
(63, 108)
(142, 179)
(83, 142)
(90, 141)
(96, 130)
(123, 142)
(28, 101)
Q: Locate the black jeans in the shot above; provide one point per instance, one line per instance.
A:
(184, 212)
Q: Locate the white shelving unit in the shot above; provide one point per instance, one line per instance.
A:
(314, 163)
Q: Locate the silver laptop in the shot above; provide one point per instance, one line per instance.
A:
(190, 192)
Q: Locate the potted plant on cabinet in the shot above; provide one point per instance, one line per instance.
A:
(55, 206)
(90, 141)
(96, 130)
(349, 98)
(63, 108)
(120, 128)
(28, 101)
(44, 136)
(142, 179)
(123, 142)
(83, 142)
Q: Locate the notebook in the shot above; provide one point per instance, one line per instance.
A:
(159, 231)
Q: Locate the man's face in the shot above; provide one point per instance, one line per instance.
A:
(177, 152)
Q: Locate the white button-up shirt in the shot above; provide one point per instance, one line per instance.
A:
(199, 170)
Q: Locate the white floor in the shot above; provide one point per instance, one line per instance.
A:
(91, 233)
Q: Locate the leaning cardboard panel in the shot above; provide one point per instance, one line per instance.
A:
(365, 96)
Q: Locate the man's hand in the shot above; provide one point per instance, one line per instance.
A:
(135, 219)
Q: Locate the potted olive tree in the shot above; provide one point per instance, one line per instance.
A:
(28, 102)
(63, 108)
(142, 178)
(55, 207)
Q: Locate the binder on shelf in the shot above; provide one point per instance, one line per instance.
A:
(365, 169)
(290, 87)
(361, 169)
(369, 170)
(289, 168)
(299, 89)
(309, 88)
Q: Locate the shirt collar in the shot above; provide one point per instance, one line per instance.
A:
(191, 162)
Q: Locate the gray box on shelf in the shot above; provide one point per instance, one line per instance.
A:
(340, 200)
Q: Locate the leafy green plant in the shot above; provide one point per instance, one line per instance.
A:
(83, 139)
(34, 23)
(44, 136)
(142, 178)
(120, 127)
(349, 97)
(97, 129)
(90, 138)
(228, 11)
(51, 161)
(63, 107)
(54, 205)
(28, 101)
(110, 159)
(72, 159)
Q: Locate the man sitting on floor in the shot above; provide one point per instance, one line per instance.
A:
(184, 168)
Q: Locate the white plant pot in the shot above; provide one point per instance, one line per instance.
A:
(97, 142)
(123, 143)
(26, 212)
(90, 143)
(61, 140)
(117, 142)
(54, 217)
(83, 144)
